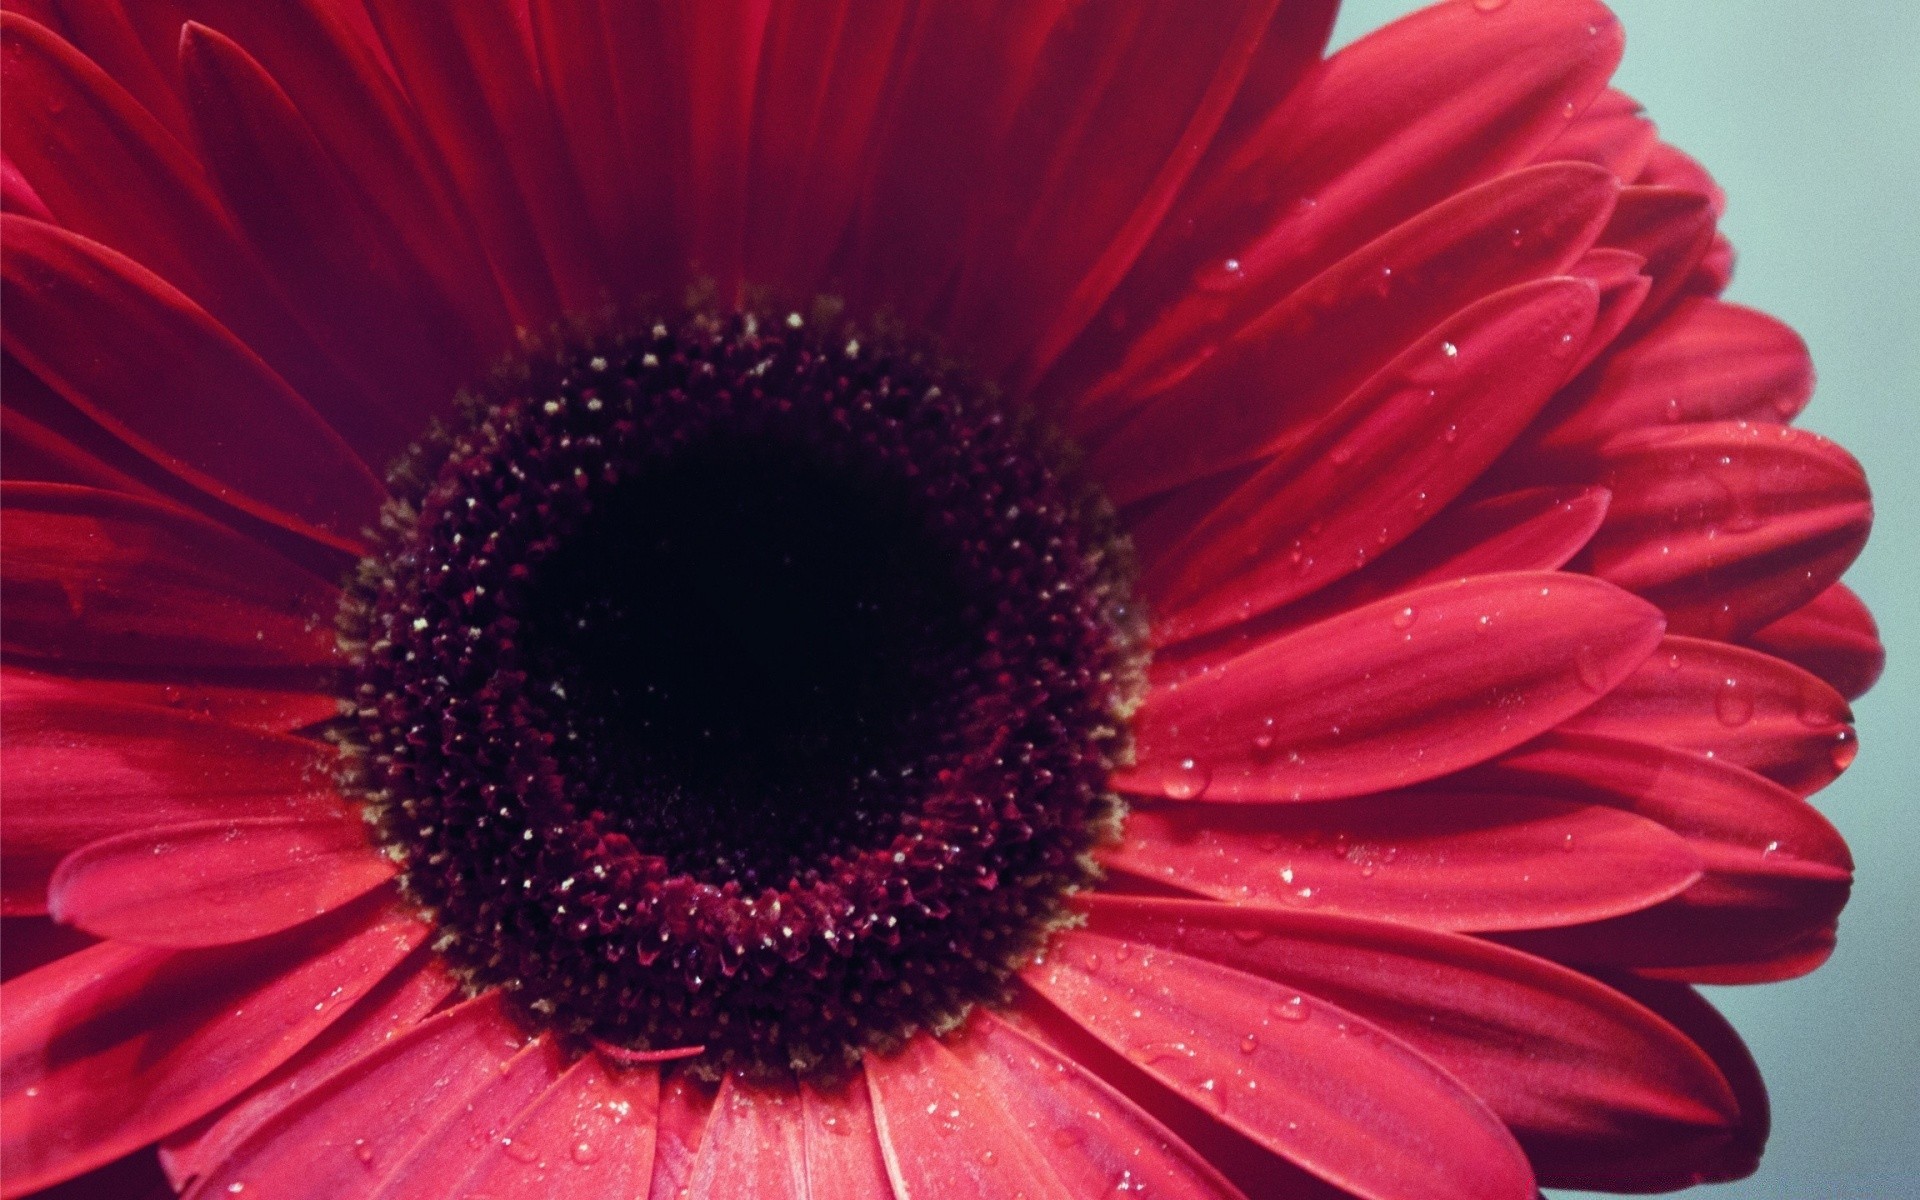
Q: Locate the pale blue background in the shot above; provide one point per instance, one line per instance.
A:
(1809, 114)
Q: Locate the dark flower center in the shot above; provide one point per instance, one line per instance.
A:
(738, 684)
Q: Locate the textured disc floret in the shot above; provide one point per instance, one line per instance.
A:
(748, 683)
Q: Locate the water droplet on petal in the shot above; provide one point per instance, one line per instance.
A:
(1845, 747)
(1249, 1044)
(1294, 1008)
(1405, 617)
(1188, 782)
(1489, 5)
(1591, 669)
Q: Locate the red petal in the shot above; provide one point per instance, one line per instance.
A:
(514, 1087)
(1332, 1093)
(1124, 100)
(1732, 704)
(78, 769)
(269, 711)
(1097, 1140)
(843, 1144)
(97, 578)
(18, 196)
(1705, 361)
(110, 174)
(177, 386)
(344, 1135)
(1777, 872)
(402, 1000)
(1729, 526)
(216, 882)
(590, 1137)
(944, 1133)
(1399, 121)
(1405, 444)
(1533, 529)
(755, 1145)
(375, 306)
(1651, 1168)
(1267, 385)
(682, 1124)
(1390, 694)
(117, 1045)
(1570, 1065)
(1611, 133)
(1443, 859)
(471, 80)
(1671, 228)
(1832, 635)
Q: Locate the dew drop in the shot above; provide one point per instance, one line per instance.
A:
(518, 1151)
(362, 1151)
(1732, 704)
(1405, 617)
(1188, 782)
(1450, 434)
(1449, 351)
(1566, 843)
(1489, 5)
(1249, 1044)
(585, 1154)
(1845, 747)
(1294, 1008)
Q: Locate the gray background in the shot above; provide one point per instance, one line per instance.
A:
(1809, 114)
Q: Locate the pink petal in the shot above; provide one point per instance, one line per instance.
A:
(178, 387)
(1833, 636)
(215, 882)
(1333, 1093)
(1671, 228)
(350, 1132)
(1441, 858)
(98, 578)
(1732, 704)
(755, 1145)
(681, 1127)
(944, 1133)
(1611, 133)
(1094, 1138)
(843, 1143)
(79, 768)
(1389, 694)
(589, 1137)
(115, 1046)
(516, 1086)
(1729, 526)
(1404, 445)
(1569, 1064)
(264, 709)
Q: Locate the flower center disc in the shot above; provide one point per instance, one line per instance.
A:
(736, 684)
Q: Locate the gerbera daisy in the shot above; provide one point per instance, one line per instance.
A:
(780, 598)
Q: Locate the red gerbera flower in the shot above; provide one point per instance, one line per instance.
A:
(1051, 601)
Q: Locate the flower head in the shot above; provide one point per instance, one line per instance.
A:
(876, 599)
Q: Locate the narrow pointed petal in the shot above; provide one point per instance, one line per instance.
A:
(1402, 119)
(1094, 1137)
(1833, 636)
(115, 1046)
(178, 386)
(944, 1133)
(589, 1137)
(216, 882)
(268, 710)
(1734, 705)
(408, 995)
(99, 579)
(1390, 694)
(1729, 526)
(470, 76)
(345, 1134)
(755, 1145)
(1408, 442)
(78, 769)
(1569, 1064)
(108, 172)
(1671, 228)
(1269, 383)
(1334, 1093)
(1705, 361)
(1439, 858)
